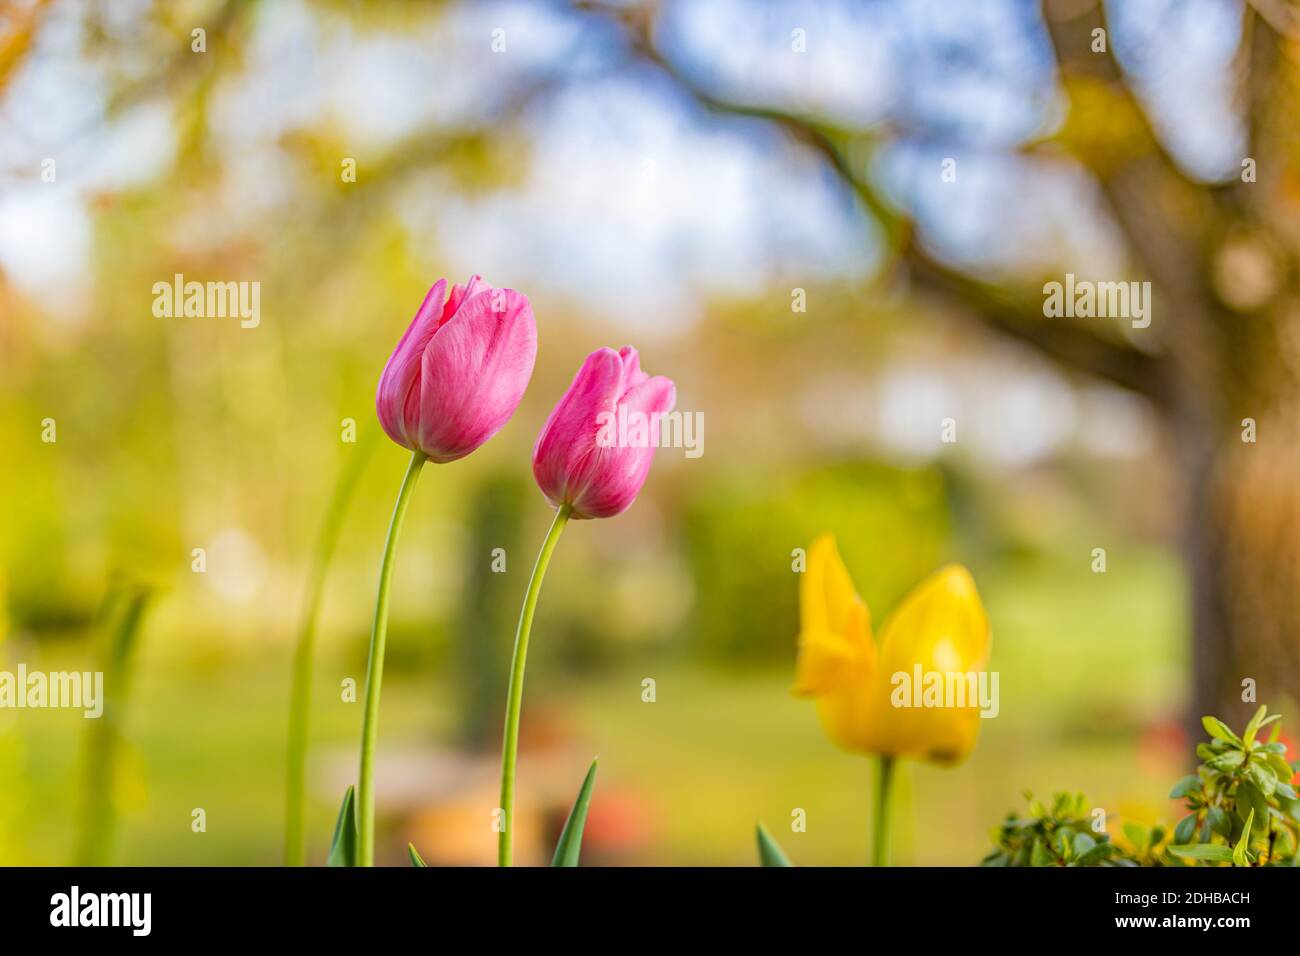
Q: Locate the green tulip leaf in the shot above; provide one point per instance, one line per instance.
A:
(414, 854)
(769, 854)
(343, 849)
(569, 847)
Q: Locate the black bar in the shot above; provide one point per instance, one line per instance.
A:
(464, 906)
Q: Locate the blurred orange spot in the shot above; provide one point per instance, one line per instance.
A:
(1162, 743)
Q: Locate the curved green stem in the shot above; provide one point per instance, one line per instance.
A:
(514, 701)
(375, 673)
(300, 691)
(880, 852)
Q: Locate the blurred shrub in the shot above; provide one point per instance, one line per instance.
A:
(892, 525)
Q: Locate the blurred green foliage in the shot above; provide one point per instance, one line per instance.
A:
(480, 655)
(743, 530)
(1063, 834)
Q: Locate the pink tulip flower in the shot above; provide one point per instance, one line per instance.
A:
(594, 452)
(459, 371)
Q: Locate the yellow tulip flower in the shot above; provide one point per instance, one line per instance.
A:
(915, 692)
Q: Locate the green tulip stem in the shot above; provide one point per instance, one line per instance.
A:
(880, 851)
(375, 672)
(514, 699)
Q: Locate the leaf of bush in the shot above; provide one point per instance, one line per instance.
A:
(1252, 728)
(1241, 852)
(1280, 767)
(1186, 829)
(1096, 854)
(1204, 851)
(569, 847)
(1227, 761)
(1136, 834)
(1257, 723)
(1263, 777)
(1219, 821)
(1041, 855)
(414, 854)
(1250, 799)
(1217, 728)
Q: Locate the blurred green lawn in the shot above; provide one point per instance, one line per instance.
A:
(1086, 662)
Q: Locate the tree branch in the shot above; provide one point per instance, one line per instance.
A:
(1067, 343)
(1168, 220)
(1018, 317)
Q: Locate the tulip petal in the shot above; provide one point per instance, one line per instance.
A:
(611, 476)
(570, 432)
(398, 395)
(942, 627)
(825, 659)
(475, 371)
(826, 593)
(941, 623)
(459, 293)
(652, 396)
(632, 374)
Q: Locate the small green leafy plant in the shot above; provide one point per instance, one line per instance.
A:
(1059, 835)
(1243, 810)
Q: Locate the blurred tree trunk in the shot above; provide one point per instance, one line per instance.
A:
(1242, 524)
(1222, 258)
(1224, 265)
